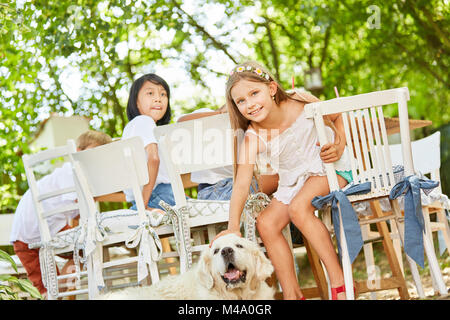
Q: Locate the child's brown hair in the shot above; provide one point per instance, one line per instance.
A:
(92, 137)
(253, 71)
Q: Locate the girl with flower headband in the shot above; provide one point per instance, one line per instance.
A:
(277, 131)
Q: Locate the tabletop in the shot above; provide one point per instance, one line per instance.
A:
(393, 124)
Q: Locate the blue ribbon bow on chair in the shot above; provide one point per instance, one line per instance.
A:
(352, 229)
(414, 222)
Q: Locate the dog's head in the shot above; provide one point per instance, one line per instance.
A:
(233, 262)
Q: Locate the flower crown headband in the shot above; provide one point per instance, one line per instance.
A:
(258, 71)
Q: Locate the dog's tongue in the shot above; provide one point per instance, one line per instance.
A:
(232, 274)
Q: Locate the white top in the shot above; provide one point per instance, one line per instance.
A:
(294, 155)
(25, 226)
(210, 176)
(142, 126)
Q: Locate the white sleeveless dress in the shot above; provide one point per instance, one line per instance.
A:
(294, 155)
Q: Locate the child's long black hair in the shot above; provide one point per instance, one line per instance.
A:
(132, 109)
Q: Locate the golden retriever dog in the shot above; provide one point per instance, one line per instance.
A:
(233, 268)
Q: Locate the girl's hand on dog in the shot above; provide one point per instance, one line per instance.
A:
(224, 232)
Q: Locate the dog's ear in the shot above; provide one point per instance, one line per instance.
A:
(204, 271)
(263, 265)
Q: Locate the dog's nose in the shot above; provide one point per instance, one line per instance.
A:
(227, 252)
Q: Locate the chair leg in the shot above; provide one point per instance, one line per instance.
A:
(401, 232)
(429, 235)
(166, 248)
(440, 216)
(346, 264)
(397, 245)
(95, 270)
(389, 250)
(369, 259)
(434, 266)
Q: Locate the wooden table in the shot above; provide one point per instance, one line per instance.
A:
(393, 124)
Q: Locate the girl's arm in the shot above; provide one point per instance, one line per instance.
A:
(112, 197)
(332, 152)
(197, 115)
(241, 186)
(153, 167)
(239, 195)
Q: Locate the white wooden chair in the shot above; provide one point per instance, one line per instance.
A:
(426, 153)
(53, 244)
(427, 160)
(202, 144)
(371, 161)
(115, 167)
(192, 146)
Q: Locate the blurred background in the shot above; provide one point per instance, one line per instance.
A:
(66, 65)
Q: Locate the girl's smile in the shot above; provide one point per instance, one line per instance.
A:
(255, 110)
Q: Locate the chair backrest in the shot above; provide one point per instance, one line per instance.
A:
(34, 160)
(426, 154)
(113, 167)
(199, 144)
(366, 135)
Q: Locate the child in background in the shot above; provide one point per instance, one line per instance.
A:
(277, 131)
(148, 107)
(25, 228)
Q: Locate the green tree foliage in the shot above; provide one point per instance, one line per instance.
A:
(10, 286)
(359, 46)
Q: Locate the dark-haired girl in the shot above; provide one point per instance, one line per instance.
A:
(148, 107)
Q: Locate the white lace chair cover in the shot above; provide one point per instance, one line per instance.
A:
(255, 203)
(178, 219)
(47, 260)
(150, 248)
(144, 236)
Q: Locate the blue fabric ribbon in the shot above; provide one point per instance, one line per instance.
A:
(352, 229)
(414, 222)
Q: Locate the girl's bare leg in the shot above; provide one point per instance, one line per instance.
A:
(301, 213)
(270, 224)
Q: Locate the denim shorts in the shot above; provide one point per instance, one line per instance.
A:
(221, 190)
(163, 191)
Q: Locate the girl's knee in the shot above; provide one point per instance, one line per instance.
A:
(299, 211)
(266, 225)
(296, 208)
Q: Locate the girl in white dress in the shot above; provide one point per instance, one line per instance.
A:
(278, 133)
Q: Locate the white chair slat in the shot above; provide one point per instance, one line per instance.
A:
(45, 155)
(360, 101)
(55, 193)
(374, 157)
(361, 174)
(378, 145)
(366, 166)
(349, 143)
(60, 210)
(387, 153)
